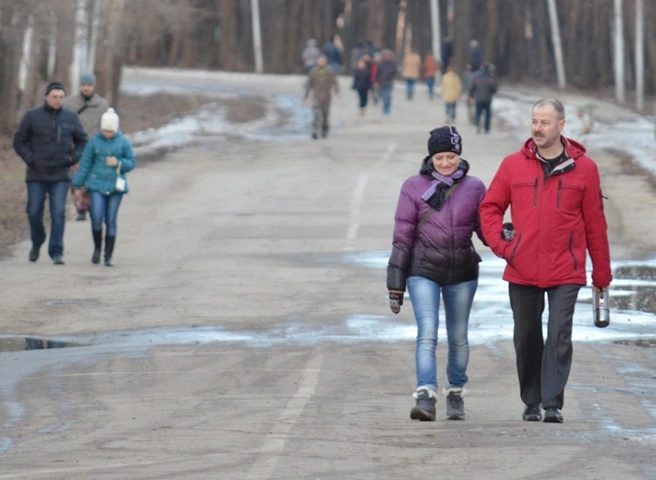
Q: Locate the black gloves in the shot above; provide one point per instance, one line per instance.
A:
(396, 300)
(508, 232)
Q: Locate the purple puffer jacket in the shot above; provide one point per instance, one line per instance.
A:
(442, 250)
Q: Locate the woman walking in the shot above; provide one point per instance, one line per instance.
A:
(106, 159)
(433, 254)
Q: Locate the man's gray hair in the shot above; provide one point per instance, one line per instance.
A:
(560, 109)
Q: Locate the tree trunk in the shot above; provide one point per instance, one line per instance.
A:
(11, 46)
(228, 34)
(376, 21)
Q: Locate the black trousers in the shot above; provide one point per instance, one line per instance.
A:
(543, 367)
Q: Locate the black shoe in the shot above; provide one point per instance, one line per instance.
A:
(81, 216)
(532, 413)
(58, 259)
(95, 258)
(315, 135)
(553, 415)
(34, 254)
(424, 410)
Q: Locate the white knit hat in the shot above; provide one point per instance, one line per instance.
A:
(109, 120)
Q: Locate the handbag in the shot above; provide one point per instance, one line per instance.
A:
(119, 186)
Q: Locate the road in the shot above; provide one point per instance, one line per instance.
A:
(244, 332)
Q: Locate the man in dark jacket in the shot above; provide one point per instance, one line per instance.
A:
(49, 139)
(385, 75)
(484, 86)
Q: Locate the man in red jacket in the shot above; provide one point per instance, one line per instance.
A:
(554, 194)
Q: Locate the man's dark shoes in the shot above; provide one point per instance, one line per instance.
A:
(95, 258)
(34, 254)
(553, 415)
(424, 409)
(81, 216)
(58, 259)
(532, 413)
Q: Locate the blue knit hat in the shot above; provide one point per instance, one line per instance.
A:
(87, 79)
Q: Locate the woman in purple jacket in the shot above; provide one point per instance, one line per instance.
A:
(433, 254)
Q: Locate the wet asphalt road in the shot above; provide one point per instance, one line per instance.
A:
(244, 332)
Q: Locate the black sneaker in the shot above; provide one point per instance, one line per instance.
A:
(455, 405)
(532, 413)
(58, 259)
(34, 254)
(553, 415)
(424, 410)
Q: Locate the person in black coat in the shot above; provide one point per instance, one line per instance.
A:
(362, 83)
(49, 139)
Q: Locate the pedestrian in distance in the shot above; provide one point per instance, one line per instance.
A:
(356, 54)
(89, 106)
(484, 86)
(106, 159)
(310, 54)
(411, 72)
(385, 75)
(362, 84)
(446, 51)
(333, 52)
(321, 81)
(451, 91)
(430, 66)
(49, 139)
(554, 193)
(467, 82)
(376, 58)
(475, 54)
(433, 256)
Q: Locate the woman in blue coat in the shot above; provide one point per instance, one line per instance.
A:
(107, 157)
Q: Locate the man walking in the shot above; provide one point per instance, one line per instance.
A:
(555, 198)
(49, 139)
(89, 106)
(387, 70)
(484, 86)
(321, 81)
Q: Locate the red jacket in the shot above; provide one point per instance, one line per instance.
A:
(557, 218)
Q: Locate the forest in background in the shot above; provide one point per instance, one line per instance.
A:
(42, 40)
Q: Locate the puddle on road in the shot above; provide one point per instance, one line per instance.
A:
(19, 344)
(633, 304)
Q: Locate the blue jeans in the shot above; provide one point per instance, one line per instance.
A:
(410, 87)
(105, 207)
(425, 298)
(451, 111)
(483, 108)
(36, 196)
(385, 94)
(430, 83)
